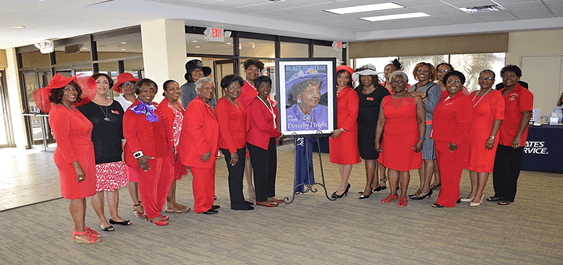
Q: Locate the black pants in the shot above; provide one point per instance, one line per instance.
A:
(236, 176)
(506, 171)
(264, 164)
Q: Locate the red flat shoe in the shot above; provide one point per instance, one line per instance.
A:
(390, 198)
(403, 202)
(277, 200)
(273, 204)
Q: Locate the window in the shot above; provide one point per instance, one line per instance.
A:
(256, 48)
(294, 50)
(196, 44)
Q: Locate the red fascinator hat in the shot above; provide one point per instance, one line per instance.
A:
(86, 83)
(122, 78)
(345, 68)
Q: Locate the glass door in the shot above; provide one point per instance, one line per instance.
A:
(222, 68)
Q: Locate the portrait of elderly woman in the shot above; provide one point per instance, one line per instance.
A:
(304, 90)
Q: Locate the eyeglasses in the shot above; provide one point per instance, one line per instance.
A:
(130, 83)
(233, 87)
(444, 71)
(398, 82)
(487, 78)
(454, 81)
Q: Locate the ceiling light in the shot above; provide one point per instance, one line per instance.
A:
(194, 40)
(123, 49)
(84, 48)
(364, 8)
(123, 42)
(399, 16)
(197, 46)
(18, 27)
(476, 9)
(228, 43)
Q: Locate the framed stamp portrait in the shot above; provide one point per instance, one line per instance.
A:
(306, 96)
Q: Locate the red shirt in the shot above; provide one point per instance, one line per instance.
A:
(515, 102)
(200, 134)
(247, 94)
(452, 118)
(260, 125)
(232, 125)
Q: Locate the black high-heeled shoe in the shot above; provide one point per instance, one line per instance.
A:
(365, 196)
(336, 196)
(422, 195)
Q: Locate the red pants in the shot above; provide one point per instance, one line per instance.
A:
(203, 186)
(451, 165)
(154, 184)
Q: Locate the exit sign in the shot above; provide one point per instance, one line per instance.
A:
(214, 34)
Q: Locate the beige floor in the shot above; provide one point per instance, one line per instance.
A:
(311, 230)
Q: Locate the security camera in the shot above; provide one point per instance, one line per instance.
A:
(45, 46)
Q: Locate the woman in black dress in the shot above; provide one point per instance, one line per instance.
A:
(371, 94)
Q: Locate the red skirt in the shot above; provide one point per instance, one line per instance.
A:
(110, 176)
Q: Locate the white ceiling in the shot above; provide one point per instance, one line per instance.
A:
(55, 19)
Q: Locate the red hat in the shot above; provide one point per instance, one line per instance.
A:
(345, 68)
(87, 85)
(122, 78)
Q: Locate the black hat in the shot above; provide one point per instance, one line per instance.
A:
(196, 64)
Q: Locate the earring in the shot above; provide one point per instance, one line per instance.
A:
(299, 101)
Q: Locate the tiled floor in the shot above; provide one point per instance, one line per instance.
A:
(27, 177)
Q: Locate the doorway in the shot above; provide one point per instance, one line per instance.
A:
(222, 68)
(6, 135)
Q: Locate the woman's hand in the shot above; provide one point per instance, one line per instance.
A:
(336, 133)
(281, 138)
(417, 93)
(516, 142)
(80, 174)
(453, 147)
(175, 154)
(378, 147)
(205, 157)
(418, 146)
(234, 159)
(143, 162)
(489, 144)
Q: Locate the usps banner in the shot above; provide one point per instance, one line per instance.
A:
(304, 162)
(544, 149)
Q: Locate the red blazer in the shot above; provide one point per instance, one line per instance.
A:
(164, 108)
(348, 105)
(516, 101)
(260, 125)
(232, 125)
(247, 94)
(452, 119)
(139, 134)
(200, 134)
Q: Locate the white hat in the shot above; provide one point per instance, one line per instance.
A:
(367, 69)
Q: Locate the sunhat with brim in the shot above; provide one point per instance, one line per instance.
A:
(86, 83)
(367, 69)
(196, 64)
(306, 75)
(122, 78)
(345, 68)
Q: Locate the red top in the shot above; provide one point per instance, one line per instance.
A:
(260, 126)
(154, 139)
(232, 125)
(200, 134)
(348, 105)
(247, 94)
(344, 148)
(515, 102)
(452, 118)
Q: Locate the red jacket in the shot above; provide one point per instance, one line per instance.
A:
(139, 134)
(347, 109)
(200, 134)
(452, 118)
(260, 125)
(164, 108)
(232, 125)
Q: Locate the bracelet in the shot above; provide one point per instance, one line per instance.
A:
(137, 154)
(421, 138)
(342, 129)
(492, 137)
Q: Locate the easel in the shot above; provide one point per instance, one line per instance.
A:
(309, 187)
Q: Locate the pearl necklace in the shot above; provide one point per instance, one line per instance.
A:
(248, 82)
(271, 111)
(481, 96)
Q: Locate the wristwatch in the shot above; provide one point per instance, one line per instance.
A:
(137, 154)
(492, 137)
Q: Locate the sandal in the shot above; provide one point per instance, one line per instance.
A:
(494, 199)
(80, 240)
(92, 231)
(182, 209)
(403, 202)
(106, 229)
(384, 180)
(504, 202)
(138, 214)
(434, 187)
(390, 198)
(417, 194)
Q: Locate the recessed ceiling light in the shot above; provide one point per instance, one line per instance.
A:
(123, 49)
(393, 17)
(123, 42)
(476, 9)
(364, 8)
(194, 40)
(84, 48)
(197, 46)
(18, 27)
(228, 43)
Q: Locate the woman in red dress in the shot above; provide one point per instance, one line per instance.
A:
(343, 143)
(74, 155)
(402, 123)
(450, 131)
(232, 140)
(172, 108)
(149, 149)
(199, 146)
(261, 134)
(488, 113)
